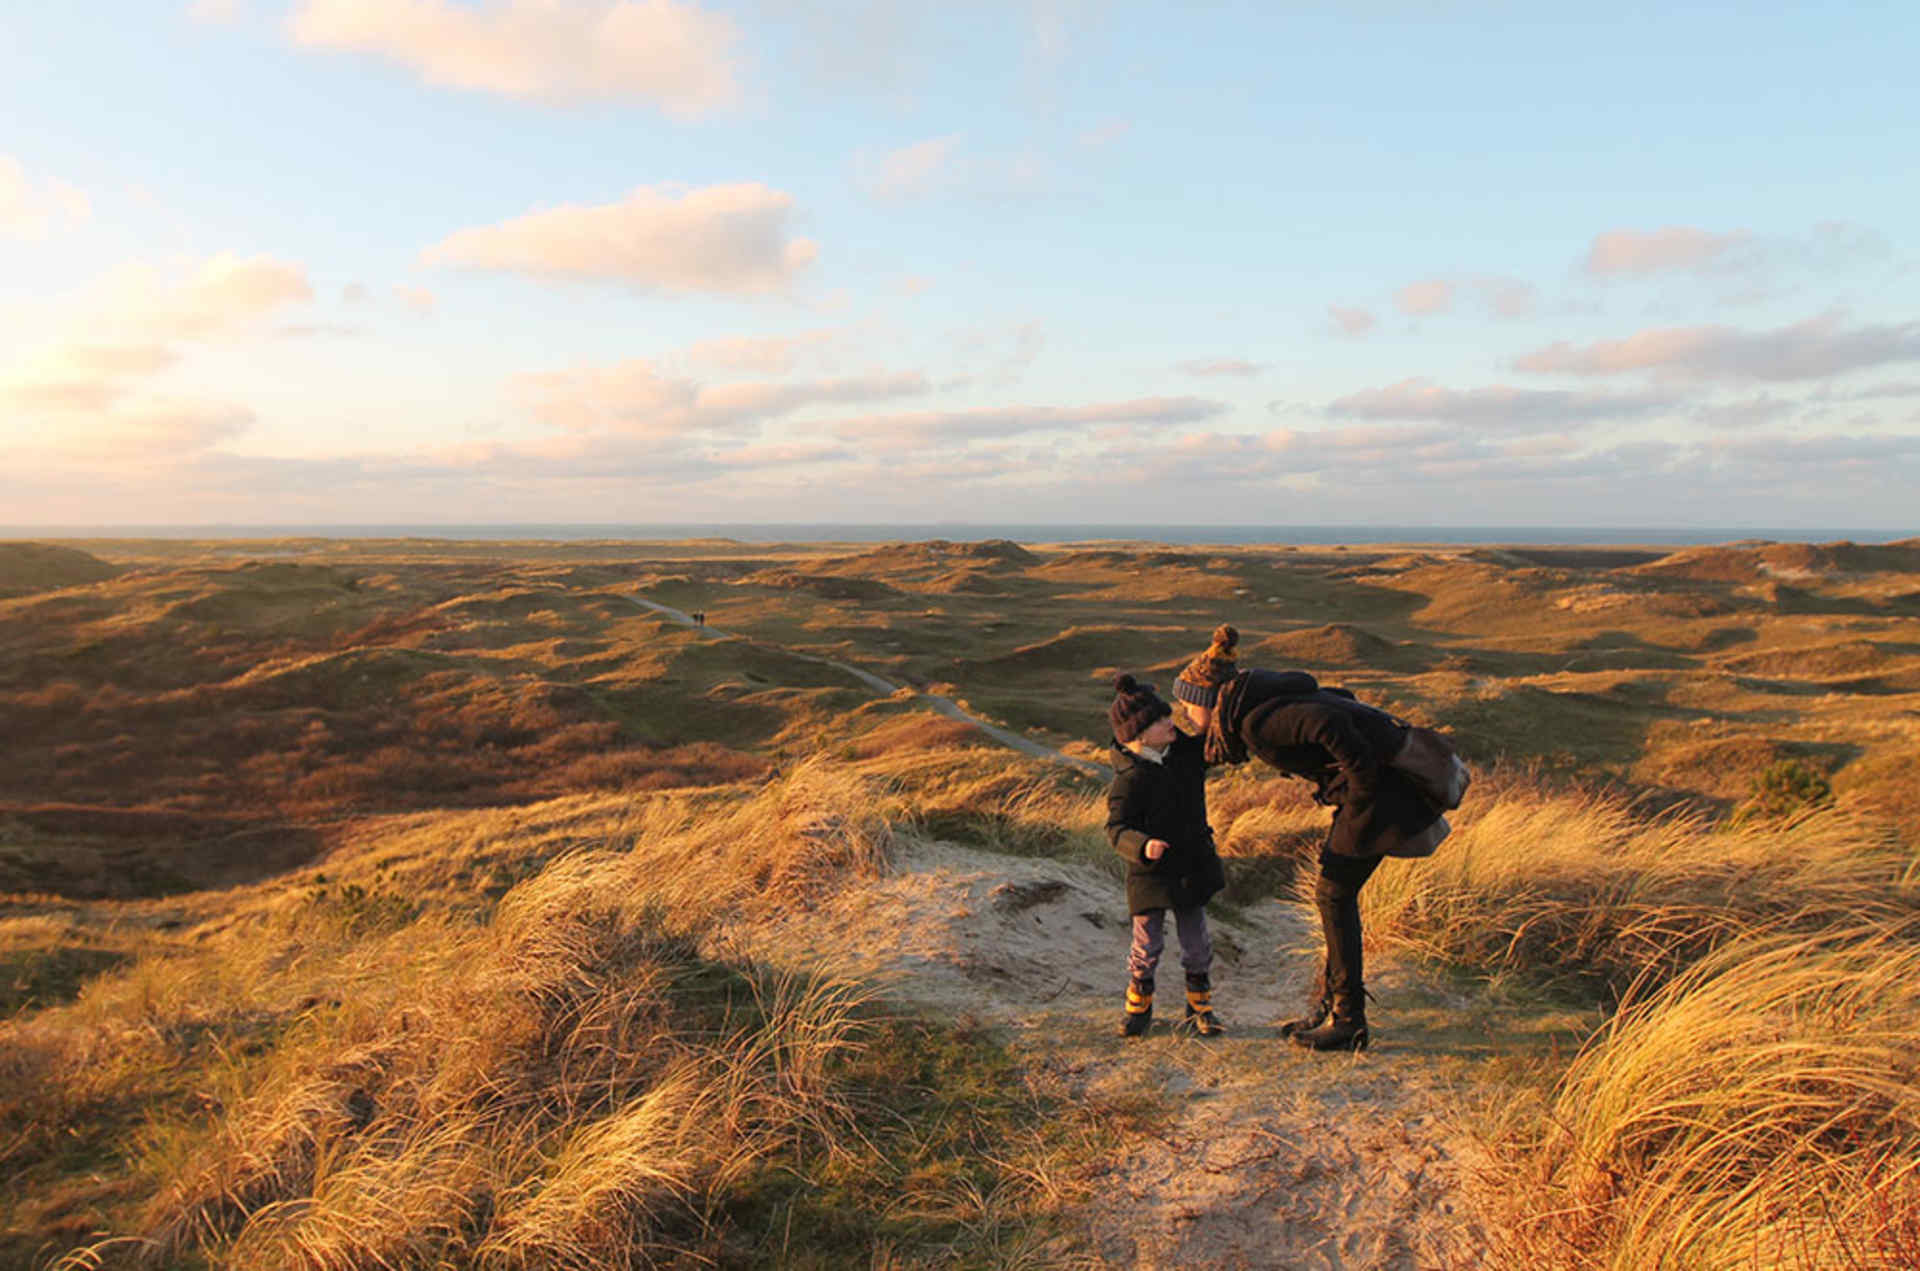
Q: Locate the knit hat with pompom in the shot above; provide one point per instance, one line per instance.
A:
(1135, 707)
(1200, 679)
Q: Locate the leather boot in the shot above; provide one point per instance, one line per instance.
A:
(1319, 1006)
(1345, 1028)
(1139, 1016)
(1200, 1016)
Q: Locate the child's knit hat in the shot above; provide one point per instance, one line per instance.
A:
(1200, 679)
(1135, 707)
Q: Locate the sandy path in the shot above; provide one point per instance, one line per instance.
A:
(1274, 1158)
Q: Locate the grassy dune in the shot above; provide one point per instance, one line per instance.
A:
(395, 1067)
(357, 899)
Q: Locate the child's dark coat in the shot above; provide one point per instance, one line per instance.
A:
(1166, 801)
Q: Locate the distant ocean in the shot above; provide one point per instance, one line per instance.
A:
(827, 531)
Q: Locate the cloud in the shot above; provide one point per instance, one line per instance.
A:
(1354, 322)
(633, 399)
(88, 398)
(1433, 295)
(1495, 406)
(417, 299)
(1748, 414)
(1221, 367)
(1795, 452)
(934, 427)
(557, 52)
(765, 355)
(155, 429)
(1508, 297)
(912, 171)
(724, 239)
(1627, 253)
(217, 10)
(34, 210)
(221, 297)
(1105, 133)
(1814, 349)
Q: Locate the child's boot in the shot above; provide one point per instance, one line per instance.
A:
(1139, 1017)
(1200, 1016)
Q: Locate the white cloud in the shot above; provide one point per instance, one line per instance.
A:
(1626, 253)
(1352, 321)
(148, 430)
(764, 355)
(34, 209)
(1495, 406)
(1814, 349)
(633, 399)
(559, 52)
(725, 239)
(934, 427)
(1432, 295)
(1749, 413)
(1508, 297)
(912, 171)
(417, 299)
(1226, 366)
(217, 10)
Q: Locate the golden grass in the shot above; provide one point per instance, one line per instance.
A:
(1760, 1111)
(1586, 888)
(374, 1071)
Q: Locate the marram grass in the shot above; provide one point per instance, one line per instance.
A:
(1761, 1111)
(1586, 890)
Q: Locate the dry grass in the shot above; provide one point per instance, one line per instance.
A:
(376, 1072)
(1588, 890)
(1760, 1111)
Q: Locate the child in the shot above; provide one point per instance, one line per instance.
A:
(1157, 820)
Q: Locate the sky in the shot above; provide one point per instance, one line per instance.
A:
(1039, 261)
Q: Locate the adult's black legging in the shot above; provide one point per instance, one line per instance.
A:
(1337, 896)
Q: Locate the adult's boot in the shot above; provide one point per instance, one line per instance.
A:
(1344, 1029)
(1200, 1016)
(1319, 1006)
(1139, 1016)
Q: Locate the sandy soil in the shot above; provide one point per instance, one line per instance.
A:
(1274, 1157)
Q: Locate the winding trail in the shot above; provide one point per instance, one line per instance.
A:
(887, 688)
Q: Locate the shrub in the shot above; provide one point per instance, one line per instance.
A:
(1786, 788)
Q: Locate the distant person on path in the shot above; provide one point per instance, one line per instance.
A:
(1345, 748)
(1157, 821)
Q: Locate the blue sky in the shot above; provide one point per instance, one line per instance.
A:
(339, 261)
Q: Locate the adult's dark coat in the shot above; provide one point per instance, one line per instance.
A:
(1166, 801)
(1343, 746)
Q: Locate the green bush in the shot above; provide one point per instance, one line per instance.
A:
(1784, 788)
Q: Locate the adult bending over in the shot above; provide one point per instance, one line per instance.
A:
(1345, 748)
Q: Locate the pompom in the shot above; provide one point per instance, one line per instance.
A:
(1225, 640)
(1124, 683)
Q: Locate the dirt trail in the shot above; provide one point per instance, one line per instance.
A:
(946, 706)
(1274, 1157)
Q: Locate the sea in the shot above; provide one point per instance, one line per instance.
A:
(861, 532)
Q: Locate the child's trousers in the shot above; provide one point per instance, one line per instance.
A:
(1149, 937)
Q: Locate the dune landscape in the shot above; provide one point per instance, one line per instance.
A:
(393, 903)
